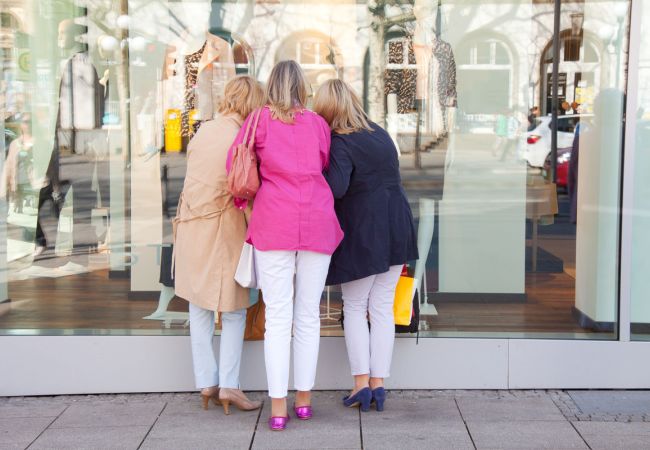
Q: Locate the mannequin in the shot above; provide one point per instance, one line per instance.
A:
(436, 99)
(436, 83)
(206, 72)
(81, 109)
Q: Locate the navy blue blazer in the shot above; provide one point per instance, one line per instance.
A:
(370, 204)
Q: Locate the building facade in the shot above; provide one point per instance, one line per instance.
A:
(533, 266)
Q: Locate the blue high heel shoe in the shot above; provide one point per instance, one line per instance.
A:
(379, 397)
(362, 398)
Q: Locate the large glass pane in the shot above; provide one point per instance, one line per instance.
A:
(100, 100)
(640, 313)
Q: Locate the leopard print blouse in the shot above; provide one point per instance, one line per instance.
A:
(189, 100)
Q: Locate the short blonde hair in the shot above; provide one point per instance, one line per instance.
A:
(242, 95)
(286, 90)
(337, 103)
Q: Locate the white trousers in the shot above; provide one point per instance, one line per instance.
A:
(206, 371)
(370, 351)
(276, 270)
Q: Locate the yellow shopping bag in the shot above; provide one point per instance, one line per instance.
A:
(403, 304)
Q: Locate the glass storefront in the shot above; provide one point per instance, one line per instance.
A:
(640, 284)
(516, 239)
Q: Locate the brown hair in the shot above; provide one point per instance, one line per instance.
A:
(286, 90)
(337, 103)
(242, 95)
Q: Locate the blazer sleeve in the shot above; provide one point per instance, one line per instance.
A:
(325, 140)
(340, 169)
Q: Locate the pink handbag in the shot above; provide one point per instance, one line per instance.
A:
(244, 178)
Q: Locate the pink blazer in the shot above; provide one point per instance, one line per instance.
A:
(294, 207)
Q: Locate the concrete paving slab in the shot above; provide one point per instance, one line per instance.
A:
(109, 414)
(612, 402)
(208, 430)
(614, 428)
(443, 435)
(525, 435)
(412, 413)
(504, 410)
(192, 404)
(615, 435)
(96, 438)
(415, 423)
(332, 427)
(18, 432)
(213, 420)
(235, 440)
(32, 409)
(605, 442)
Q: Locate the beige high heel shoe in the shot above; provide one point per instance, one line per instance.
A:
(237, 398)
(210, 393)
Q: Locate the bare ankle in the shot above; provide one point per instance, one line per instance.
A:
(376, 383)
(303, 398)
(279, 407)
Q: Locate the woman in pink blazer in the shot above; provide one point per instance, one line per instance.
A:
(294, 231)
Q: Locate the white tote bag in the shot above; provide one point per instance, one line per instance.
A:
(246, 275)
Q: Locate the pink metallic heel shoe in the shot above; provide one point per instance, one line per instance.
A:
(303, 412)
(278, 423)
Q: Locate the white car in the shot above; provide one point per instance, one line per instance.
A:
(538, 140)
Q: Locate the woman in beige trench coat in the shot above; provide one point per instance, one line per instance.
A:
(209, 233)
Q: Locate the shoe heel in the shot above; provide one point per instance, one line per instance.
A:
(206, 400)
(226, 406)
(365, 401)
(379, 396)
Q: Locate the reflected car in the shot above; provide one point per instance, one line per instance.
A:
(538, 139)
(563, 158)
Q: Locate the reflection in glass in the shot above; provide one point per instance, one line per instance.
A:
(101, 102)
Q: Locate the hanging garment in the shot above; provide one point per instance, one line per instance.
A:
(191, 65)
(447, 96)
(401, 81)
(435, 114)
(215, 68)
(81, 96)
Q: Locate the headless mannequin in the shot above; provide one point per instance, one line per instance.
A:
(208, 42)
(81, 101)
(189, 44)
(424, 39)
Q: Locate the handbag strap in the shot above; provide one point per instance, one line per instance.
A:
(256, 119)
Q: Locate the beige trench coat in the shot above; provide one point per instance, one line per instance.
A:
(209, 231)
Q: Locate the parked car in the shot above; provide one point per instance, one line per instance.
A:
(562, 167)
(539, 138)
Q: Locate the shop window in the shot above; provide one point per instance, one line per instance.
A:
(453, 85)
(315, 52)
(488, 70)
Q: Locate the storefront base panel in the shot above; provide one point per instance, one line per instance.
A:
(578, 365)
(42, 365)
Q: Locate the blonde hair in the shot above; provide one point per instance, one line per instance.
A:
(242, 95)
(286, 90)
(337, 103)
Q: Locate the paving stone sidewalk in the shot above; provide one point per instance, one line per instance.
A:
(412, 420)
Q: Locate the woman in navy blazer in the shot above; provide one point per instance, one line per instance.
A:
(375, 216)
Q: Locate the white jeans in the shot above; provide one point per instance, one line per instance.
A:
(276, 271)
(370, 351)
(206, 371)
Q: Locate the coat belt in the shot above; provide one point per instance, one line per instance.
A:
(206, 215)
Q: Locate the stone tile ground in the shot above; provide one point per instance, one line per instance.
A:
(458, 419)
